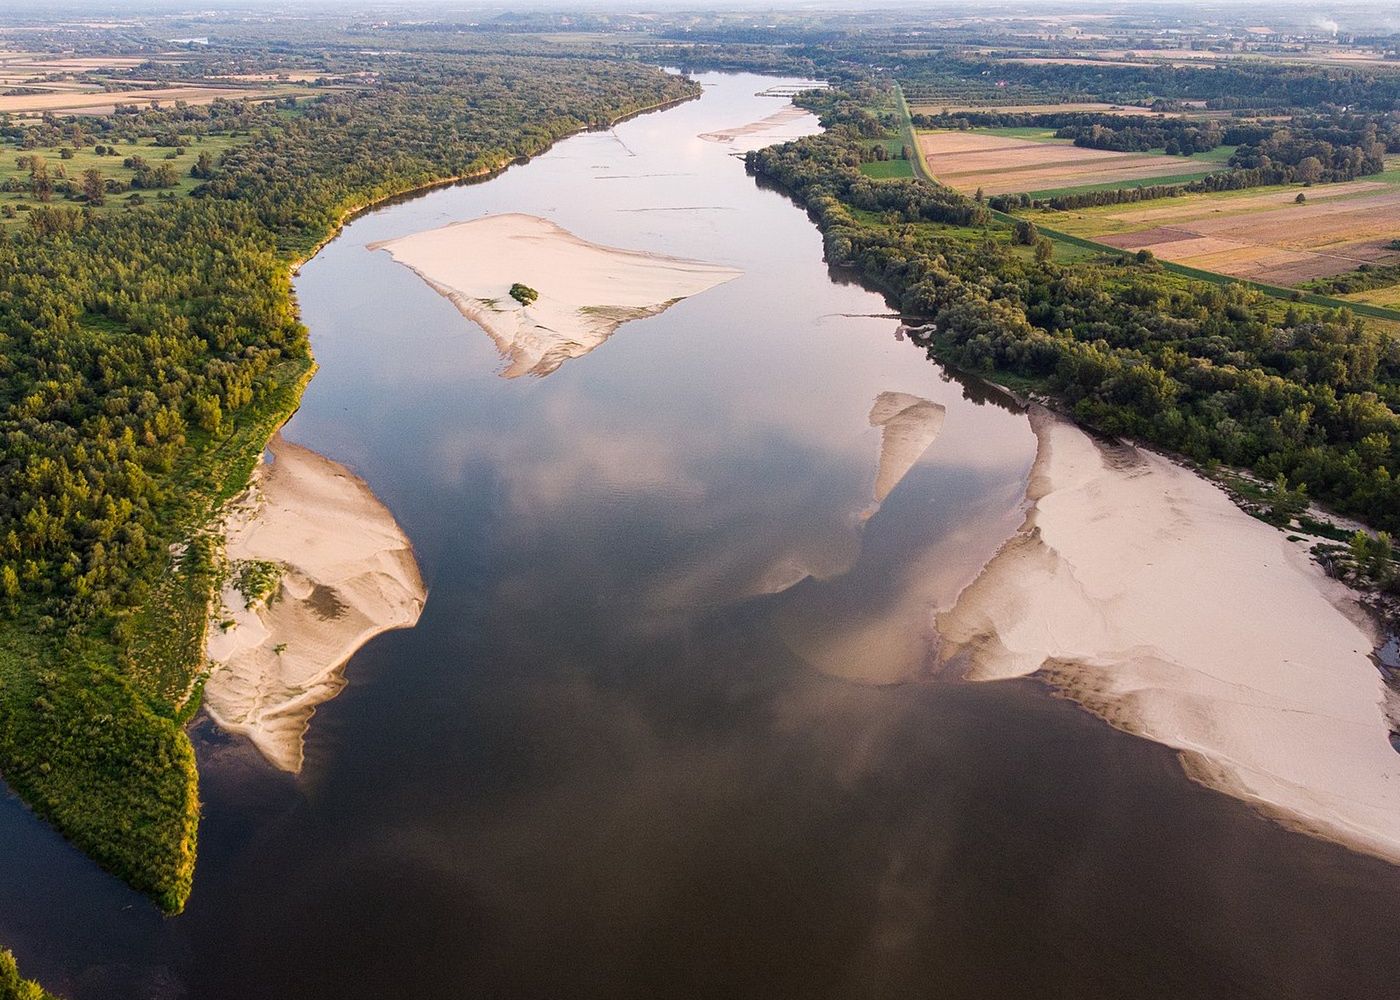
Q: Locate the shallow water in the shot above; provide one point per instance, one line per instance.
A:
(611, 760)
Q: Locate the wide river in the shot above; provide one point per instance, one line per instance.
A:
(612, 760)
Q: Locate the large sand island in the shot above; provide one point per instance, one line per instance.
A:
(586, 291)
(1138, 589)
(335, 569)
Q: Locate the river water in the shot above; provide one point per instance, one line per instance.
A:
(622, 754)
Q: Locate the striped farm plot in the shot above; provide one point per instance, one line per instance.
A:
(1008, 164)
(1264, 236)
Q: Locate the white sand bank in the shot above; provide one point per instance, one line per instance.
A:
(791, 122)
(347, 574)
(1140, 590)
(585, 291)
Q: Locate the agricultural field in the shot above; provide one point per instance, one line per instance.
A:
(888, 169)
(1262, 234)
(1315, 54)
(104, 102)
(32, 85)
(1015, 161)
(1090, 61)
(1386, 298)
(930, 106)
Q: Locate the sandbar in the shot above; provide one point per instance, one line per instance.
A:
(586, 291)
(1140, 590)
(342, 571)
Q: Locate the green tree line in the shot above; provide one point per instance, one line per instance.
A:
(15, 987)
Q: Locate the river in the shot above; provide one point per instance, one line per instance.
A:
(612, 760)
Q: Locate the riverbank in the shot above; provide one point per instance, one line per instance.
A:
(1140, 590)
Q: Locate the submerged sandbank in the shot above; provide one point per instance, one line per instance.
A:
(1137, 588)
(318, 567)
(908, 426)
(869, 621)
(586, 291)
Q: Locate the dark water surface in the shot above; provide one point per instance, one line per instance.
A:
(605, 763)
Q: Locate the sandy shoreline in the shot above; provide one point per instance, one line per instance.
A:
(586, 291)
(336, 570)
(1140, 590)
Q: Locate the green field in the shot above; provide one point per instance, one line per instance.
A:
(1220, 154)
(1028, 132)
(111, 167)
(887, 169)
(1119, 185)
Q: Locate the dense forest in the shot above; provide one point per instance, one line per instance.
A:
(1228, 85)
(1220, 374)
(146, 357)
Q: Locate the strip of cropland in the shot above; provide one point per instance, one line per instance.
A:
(1000, 164)
(1267, 235)
(1277, 238)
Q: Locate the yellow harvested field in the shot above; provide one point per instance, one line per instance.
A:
(1265, 237)
(1192, 208)
(1084, 61)
(998, 164)
(934, 107)
(279, 76)
(30, 63)
(1387, 297)
(97, 102)
(1063, 175)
